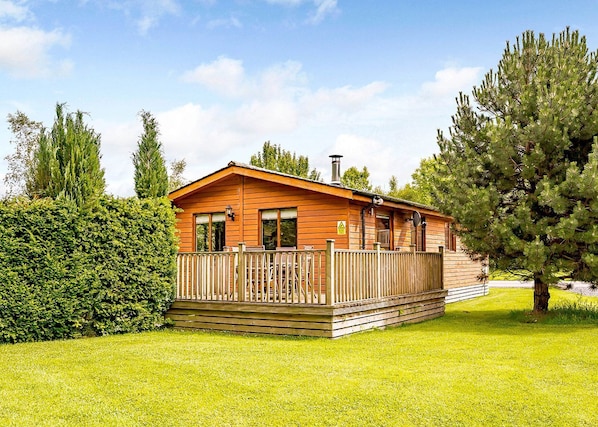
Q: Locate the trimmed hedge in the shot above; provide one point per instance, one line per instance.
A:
(67, 272)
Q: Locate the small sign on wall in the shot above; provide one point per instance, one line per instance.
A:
(341, 228)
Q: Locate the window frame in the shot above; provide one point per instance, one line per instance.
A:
(279, 217)
(213, 242)
(419, 236)
(450, 238)
(386, 218)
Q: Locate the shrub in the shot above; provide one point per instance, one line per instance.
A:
(65, 271)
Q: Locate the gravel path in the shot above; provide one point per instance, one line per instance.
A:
(577, 287)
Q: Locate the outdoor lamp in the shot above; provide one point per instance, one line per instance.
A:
(230, 213)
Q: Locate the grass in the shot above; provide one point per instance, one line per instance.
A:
(518, 275)
(483, 363)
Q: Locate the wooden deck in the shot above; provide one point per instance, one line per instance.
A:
(310, 320)
(316, 293)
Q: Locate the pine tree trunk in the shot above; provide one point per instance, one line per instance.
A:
(541, 296)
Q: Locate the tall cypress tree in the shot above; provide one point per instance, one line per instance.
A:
(66, 162)
(519, 169)
(151, 175)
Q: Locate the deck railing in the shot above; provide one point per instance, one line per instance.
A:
(206, 276)
(323, 277)
(281, 276)
(364, 275)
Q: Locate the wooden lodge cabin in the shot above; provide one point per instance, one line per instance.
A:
(261, 251)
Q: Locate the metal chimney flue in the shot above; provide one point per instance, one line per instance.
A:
(336, 169)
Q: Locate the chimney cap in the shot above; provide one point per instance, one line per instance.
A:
(335, 156)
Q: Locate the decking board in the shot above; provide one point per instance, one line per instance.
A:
(311, 320)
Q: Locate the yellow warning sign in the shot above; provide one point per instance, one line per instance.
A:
(341, 228)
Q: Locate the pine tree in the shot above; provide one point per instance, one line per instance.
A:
(66, 162)
(520, 165)
(151, 176)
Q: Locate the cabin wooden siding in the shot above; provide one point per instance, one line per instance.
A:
(317, 214)
(435, 235)
(460, 270)
(320, 208)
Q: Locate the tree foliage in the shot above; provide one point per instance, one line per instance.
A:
(67, 272)
(175, 177)
(20, 164)
(357, 179)
(275, 158)
(66, 161)
(421, 189)
(520, 165)
(151, 176)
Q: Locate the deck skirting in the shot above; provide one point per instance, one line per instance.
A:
(466, 292)
(310, 320)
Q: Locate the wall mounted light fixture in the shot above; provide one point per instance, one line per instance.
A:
(230, 213)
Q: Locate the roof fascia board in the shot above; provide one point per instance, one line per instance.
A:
(263, 175)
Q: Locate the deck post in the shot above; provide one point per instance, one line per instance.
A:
(378, 272)
(242, 273)
(330, 272)
(441, 250)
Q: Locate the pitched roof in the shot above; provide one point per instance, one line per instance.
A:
(236, 168)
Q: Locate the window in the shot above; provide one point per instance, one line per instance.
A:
(383, 230)
(279, 228)
(450, 238)
(210, 232)
(419, 236)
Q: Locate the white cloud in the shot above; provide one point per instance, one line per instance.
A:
(451, 80)
(324, 8)
(148, 13)
(281, 80)
(145, 23)
(153, 11)
(286, 2)
(25, 52)
(361, 151)
(267, 117)
(13, 11)
(370, 126)
(345, 98)
(224, 75)
(231, 22)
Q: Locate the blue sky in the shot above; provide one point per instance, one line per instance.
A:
(371, 80)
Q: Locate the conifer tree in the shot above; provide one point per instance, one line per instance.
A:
(151, 176)
(66, 162)
(520, 166)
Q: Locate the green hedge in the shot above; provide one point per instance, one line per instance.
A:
(66, 272)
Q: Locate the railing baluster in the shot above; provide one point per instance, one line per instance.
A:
(298, 277)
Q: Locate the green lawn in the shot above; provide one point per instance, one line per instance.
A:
(481, 364)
